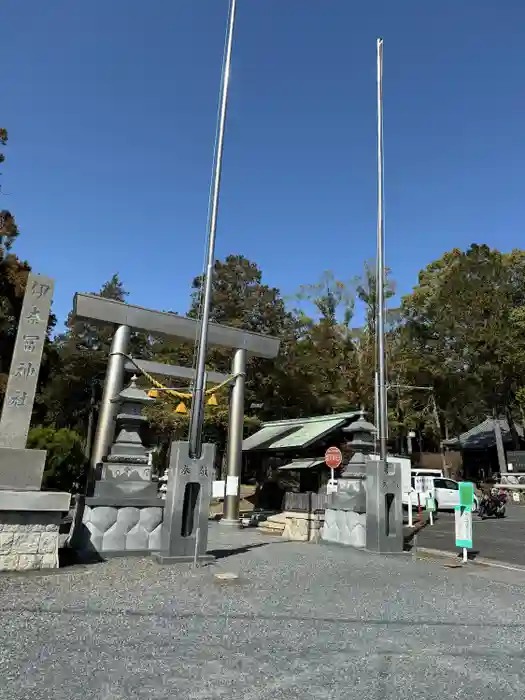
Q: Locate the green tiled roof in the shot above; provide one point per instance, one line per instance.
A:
(266, 434)
(308, 433)
(299, 432)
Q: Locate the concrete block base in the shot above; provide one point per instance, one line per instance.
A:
(345, 527)
(29, 529)
(29, 540)
(160, 558)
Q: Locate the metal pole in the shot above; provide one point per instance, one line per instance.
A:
(113, 385)
(380, 281)
(502, 462)
(235, 436)
(376, 409)
(197, 404)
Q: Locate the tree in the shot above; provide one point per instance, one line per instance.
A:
(366, 338)
(458, 334)
(241, 299)
(325, 354)
(65, 463)
(8, 228)
(80, 365)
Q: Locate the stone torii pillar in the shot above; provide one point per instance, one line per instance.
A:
(235, 436)
(113, 385)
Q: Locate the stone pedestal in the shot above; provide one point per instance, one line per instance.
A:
(128, 527)
(29, 529)
(345, 527)
(345, 518)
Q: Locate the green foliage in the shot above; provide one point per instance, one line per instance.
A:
(8, 228)
(80, 357)
(461, 332)
(65, 462)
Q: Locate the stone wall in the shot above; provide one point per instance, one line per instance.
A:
(28, 540)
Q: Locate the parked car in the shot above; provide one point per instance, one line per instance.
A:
(446, 494)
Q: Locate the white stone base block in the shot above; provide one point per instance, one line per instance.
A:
(274, 525)
(345, 527)
(29, 540)
(121, 529)
(303, 527)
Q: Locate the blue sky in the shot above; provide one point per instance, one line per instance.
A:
(111, 111)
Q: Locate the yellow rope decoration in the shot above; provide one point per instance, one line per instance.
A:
(173, 392)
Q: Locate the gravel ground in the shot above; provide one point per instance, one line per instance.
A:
(302, 621)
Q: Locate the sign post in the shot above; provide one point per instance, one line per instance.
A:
(419, 486)
(333, 458)
(424, 487)
(463, 515)
(430, 506)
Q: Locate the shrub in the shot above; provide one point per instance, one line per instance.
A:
(65, 468)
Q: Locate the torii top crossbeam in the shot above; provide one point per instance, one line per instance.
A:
(91, 307)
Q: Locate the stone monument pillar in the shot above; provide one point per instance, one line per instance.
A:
(185, 528)
(345, 517)
(29, 517)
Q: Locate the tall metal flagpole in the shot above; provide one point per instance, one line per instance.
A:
(197, 405)
(382, 410)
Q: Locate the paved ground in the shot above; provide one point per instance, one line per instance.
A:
(503, 540)
(303, 621)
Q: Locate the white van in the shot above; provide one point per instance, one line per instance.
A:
(446, 493)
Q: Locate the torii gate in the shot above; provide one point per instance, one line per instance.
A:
(124, 317)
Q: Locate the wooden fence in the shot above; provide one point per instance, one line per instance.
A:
(306, 502)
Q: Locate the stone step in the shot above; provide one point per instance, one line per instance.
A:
(272, 526)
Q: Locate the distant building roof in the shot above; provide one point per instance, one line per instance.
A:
(296, 433)
(482, 436)
(300, 464)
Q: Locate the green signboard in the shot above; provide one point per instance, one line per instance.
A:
(463, 527)
(430, 505)
(466, 494)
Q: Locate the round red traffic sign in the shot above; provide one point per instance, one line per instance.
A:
(333, 457)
